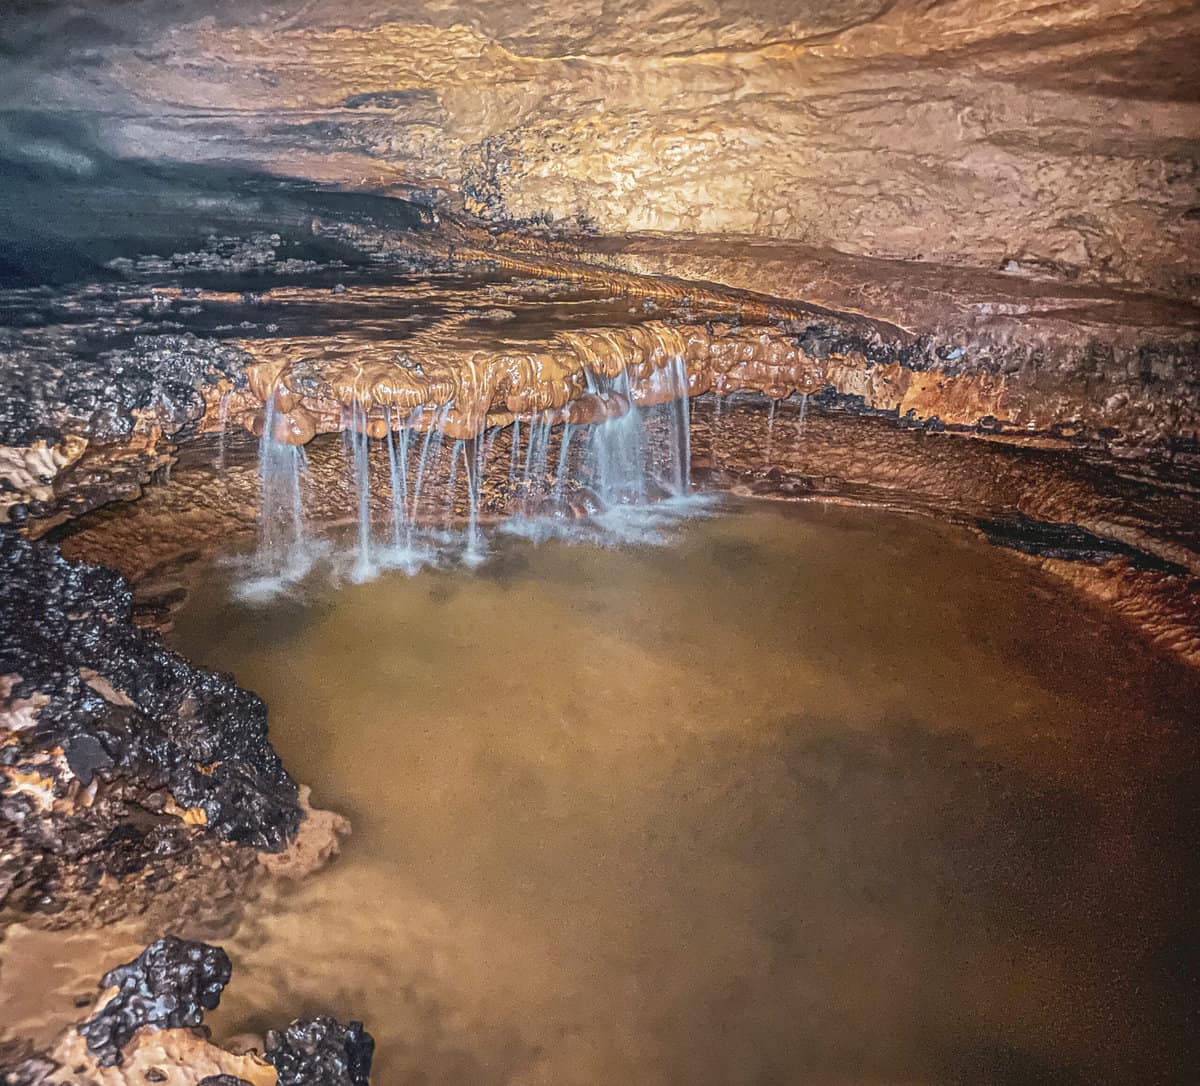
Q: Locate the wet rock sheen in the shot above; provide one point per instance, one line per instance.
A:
(170, 984)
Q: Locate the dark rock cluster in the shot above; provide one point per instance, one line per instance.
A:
(171, 985)
(168, 986)
(222, 253)
(46, 394)
(115, 750)
(1069, 542)
(319, 1050)
(174, 981)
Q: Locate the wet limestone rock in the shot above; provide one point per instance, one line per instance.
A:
(126, 774)
(1011, 186)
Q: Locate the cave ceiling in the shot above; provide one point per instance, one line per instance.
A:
(1062, 137)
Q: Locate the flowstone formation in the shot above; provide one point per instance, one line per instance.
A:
(147, 1026)
(519, 373)
(386, 311)
(356, 347)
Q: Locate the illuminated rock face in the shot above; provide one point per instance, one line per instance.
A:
(1035, 137)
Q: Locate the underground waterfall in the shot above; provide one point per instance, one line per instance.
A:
(666, 708)
(422, 499)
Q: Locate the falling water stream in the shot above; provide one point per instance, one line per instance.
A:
(635, 469)
(282, 541)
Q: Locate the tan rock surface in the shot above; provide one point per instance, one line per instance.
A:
(1057, 136)
(181, 1057)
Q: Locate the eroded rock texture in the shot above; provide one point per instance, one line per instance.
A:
(1037, 137)
(321, 1050)
(169, 986)
(57, 399)
(130, 777)
(1132, 396)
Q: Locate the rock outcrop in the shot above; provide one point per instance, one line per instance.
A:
(132, 781)
(147, 1026)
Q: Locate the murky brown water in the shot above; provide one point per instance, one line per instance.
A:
(813, 796)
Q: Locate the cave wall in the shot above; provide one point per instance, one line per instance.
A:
(1043, 138)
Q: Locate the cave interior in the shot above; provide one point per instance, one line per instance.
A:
(597, 541)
